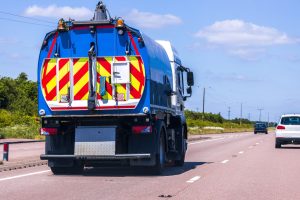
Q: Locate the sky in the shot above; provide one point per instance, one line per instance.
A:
(246, 54)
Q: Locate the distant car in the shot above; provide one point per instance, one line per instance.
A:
(260, 127)
(288, 130)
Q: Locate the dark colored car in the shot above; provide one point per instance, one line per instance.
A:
(260, 128)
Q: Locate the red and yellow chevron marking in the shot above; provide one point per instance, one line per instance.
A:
(137, 77)
(81, 78)
(63, 76)
(48, 79)
(104, 69)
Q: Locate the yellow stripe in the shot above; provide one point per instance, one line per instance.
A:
(51, 84)
(134, 82)
(79, 64)
(81, 83)
(51, 64)
(135, 63)
(64, 70)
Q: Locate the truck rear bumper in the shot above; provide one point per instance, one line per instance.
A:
(93, 157)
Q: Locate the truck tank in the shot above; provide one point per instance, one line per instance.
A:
(126, 73)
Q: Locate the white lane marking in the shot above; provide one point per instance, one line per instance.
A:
(225, 161)
(257, 143)
(192, 180)
(241, 152)
(206, 141)
(24, 175)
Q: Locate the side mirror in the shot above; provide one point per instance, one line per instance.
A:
(189, 90)
(190, 78)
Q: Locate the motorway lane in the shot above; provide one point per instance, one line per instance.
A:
(231, 166)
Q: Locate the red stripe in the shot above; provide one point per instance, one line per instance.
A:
(108, 88)
(120, 58)
(82, 92)
(52, 45)
(62, 63)
(133, 43)
(44, 75)
(51, 94)
(65, 80)
(88, 27)
(98, 108)
(50, 75)
(80, 28)
(105, 26)
(75, 60)
(104, 63)
(134, 92)
(83, 70)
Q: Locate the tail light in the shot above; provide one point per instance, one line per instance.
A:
(141, 129)
(280, 127)
(49, 131)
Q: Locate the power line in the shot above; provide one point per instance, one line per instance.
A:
(20, 21)
(31, 18)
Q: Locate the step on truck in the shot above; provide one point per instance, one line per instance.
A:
(110, 95)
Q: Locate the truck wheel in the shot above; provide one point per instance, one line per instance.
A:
(160, 157)
(255, 132)
(266, 132)
(180, 162)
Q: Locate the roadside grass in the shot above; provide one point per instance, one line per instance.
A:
(21, 131)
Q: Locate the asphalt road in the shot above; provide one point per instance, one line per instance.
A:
(231, 166)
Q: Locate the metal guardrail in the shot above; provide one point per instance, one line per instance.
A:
(20, 142)
(6, 147)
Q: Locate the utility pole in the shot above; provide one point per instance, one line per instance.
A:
(260, 109)
(203, 101)
(203, 105)
(241, 114)
(229, 113)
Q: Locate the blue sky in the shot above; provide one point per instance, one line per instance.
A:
(243, 52)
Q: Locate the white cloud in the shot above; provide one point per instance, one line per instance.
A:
(243, 39)
(53, 11)
(151, 20)
(240, 33)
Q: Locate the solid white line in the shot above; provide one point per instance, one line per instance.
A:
(24, 175)
(192, 180)
(241, 152)
(225, 161)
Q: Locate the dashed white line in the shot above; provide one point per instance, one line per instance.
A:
(257, 143)
(241, 152)
(192, 180)
(24, 175)
(206, 141)
(225, 161)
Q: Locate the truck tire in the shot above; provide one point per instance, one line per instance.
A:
(160, 157)
(180, 162)
(76, 169)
